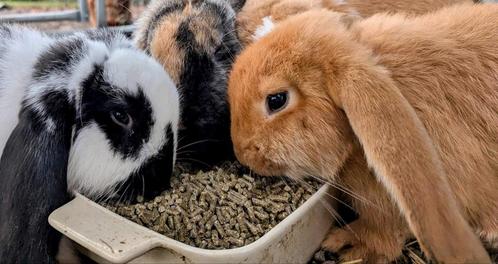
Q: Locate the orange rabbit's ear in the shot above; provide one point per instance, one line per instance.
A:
(401, 153)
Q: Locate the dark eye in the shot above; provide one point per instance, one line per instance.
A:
(121, 118)
(276, 102)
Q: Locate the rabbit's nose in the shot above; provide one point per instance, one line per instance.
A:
(254, 148)
(250, 147)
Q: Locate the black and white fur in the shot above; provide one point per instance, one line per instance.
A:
(202, 82)
(59, 102)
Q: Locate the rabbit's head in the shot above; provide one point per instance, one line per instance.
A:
(196, 42)
(101, 111)
(284, 118)
(88, 113)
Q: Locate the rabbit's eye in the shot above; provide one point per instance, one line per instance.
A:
(122, 119)
(276, 102)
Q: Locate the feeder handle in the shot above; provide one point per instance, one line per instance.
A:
(102, 232)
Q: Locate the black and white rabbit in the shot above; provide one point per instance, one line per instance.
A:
(196, 42)
(87, 113)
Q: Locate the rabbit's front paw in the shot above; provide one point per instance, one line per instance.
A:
(354, 242)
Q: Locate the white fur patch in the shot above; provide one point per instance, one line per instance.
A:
(266, 27)
(340, 2)
(93, 167)
(16, 68)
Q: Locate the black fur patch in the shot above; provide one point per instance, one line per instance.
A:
(99, 99)
(203, 84)
(154, 176)
(58, 57)
(161, 14)
(33, 182)
(184, 37)
(237, 5)
(58, 106)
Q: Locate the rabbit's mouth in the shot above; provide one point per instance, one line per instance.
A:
(268, 168)
(260, 163)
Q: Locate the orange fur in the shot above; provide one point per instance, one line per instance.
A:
(251, 15)
(165, 49)
(415, 99)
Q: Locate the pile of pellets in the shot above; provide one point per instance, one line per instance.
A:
(219, 209)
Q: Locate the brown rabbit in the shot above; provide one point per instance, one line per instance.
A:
(401, 111)
(251, 18)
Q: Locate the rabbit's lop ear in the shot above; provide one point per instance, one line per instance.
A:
(33, 175)
(398, 148)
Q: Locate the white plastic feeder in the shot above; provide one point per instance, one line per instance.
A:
(109, 238)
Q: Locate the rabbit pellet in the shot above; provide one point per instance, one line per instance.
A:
(218, 209)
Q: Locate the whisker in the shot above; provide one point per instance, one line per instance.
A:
(336, 185)
(332, 212)
(106, 196)
(327, 206)
(331, 209)
(124, 192)
(326, 193)
(125, 7)
(143, 185)
(196, 142)
(185, 152)
(345, 190)
(195, 160)
(180, 139)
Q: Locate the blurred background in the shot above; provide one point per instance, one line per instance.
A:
(68, 15)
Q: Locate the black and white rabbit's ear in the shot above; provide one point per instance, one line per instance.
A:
(400, 152)
(237, 4)
(113, 39)
(33, 170)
